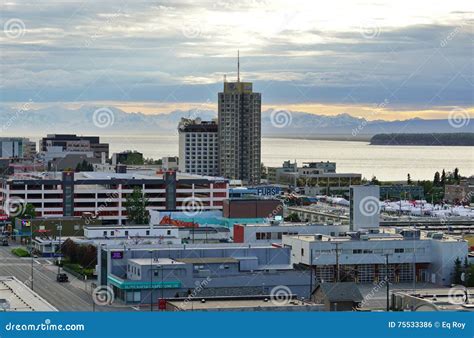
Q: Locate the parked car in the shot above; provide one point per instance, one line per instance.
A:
(62, 278)
(5, 242)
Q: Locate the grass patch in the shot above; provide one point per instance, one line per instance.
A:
(20, 252)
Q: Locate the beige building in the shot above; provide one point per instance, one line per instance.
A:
(239, 120)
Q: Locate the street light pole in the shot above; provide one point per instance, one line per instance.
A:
(60, 228)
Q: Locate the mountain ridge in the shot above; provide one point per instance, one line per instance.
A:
(92, 119)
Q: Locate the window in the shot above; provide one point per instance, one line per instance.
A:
(399, 250)
(168, 232)
(112, 233)
(147, 233)
(126, 232)
(357, 251)
(105, 233)
(302, 252)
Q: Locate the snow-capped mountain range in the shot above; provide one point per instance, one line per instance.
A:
(90, 119)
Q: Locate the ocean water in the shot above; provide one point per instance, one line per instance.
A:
(384, 162)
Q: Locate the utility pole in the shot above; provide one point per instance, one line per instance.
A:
(311, 271)
(337, 262)
(60, 228)
(151, 281)
(387, 280)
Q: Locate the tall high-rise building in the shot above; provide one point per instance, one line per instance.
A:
(239, 120)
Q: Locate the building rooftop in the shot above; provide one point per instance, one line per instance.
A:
(209, 260)
(16, 296)
(340, 292)
(154, 261)
(239, 304)
(138, 174)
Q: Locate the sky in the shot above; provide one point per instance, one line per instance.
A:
(405, 58)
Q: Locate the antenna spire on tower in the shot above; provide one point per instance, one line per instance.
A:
(238, 65)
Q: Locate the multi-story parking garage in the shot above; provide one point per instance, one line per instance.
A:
(103, 195)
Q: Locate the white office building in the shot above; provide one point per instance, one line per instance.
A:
(198, 147)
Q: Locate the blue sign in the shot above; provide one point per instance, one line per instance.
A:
(268, 191)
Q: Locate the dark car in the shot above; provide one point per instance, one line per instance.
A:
(62, 278)
(4, 242)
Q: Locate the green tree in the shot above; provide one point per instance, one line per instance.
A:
(409, 182)
(375, 181)
(293, 217)
(457, 271)
(443, 178)
(436, 179)
(136, 207)
(456, 175)
(263, 171)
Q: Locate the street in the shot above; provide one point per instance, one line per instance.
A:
(74, 295)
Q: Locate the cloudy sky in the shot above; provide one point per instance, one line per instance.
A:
(408, 58)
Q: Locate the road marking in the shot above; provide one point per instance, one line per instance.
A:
(49, 262)
(37, 261)
(136, 308)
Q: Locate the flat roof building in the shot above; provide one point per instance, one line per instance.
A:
(103, 195)
(198, 147)
(362, 256)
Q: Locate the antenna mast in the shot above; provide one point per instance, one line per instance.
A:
(238, 65)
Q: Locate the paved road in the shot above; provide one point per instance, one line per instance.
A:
(70, 296)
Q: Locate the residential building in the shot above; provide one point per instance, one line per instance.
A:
(239, 119)
(198, 147)
(104, 194)
(74, 143)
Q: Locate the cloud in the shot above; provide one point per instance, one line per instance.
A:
(179, 51)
